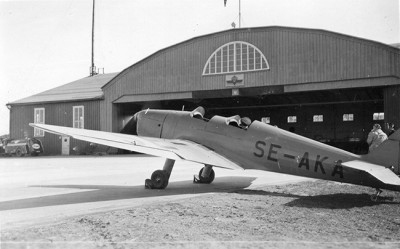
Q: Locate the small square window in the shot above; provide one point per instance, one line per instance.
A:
(292, 119)
(348, 117)
(378, 116)
(266, 120)
(318, 118)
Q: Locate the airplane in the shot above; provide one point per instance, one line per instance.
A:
(239, 143)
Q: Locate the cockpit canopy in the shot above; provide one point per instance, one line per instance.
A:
(237, 121)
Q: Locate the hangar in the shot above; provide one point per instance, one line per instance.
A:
(320, 84)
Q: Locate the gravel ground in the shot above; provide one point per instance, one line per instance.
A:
(315, 214)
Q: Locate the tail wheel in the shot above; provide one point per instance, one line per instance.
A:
(208, 179)
(159, 179)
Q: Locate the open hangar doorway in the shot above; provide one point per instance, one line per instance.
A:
(342, 117)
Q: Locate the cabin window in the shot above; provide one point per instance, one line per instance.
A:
(38, 119)
(292, 119)
(318, 118)
(378, 116)
(348, 117)
(266, 120)
(235, 57)
(78, 116)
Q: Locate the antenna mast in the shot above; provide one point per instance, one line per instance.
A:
(93, 68)
(240, 15)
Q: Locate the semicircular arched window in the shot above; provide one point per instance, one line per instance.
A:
(235, 57)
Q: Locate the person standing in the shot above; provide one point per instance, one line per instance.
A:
(375, 137)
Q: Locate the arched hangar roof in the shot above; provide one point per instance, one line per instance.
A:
(295, 57)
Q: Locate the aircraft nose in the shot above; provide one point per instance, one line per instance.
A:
(135, 122)
(131, 127)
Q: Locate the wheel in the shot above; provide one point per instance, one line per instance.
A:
(159, 179)
(208, 179)
(19, 153)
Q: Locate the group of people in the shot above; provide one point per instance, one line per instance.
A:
(376, 136)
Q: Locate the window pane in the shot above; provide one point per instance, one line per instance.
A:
(378, 116)
(212, 65)
(264, 64)
(318, 118)
(266, 120)
(244, 57)
(348, 117)
(218, 62)
(225, 59)
(251, 58)
(231, 59)
(292, 119)
(238, 57)
(39, 119)
(207, 71)
(258, 60)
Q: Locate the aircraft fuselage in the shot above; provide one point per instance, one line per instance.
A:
(260, 146)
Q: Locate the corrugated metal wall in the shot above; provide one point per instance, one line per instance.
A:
(55, 114)
(392, 105)
(295, 56)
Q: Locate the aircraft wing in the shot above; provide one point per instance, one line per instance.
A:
(176, 149)
(381, 173)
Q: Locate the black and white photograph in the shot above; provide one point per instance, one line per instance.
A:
(200, 124)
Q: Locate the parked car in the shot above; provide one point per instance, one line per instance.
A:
(21, 147)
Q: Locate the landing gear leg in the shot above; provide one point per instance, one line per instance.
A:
(375, 196)
(160, 178)
(206, 175)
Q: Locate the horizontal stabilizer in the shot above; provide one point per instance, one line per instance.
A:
(176, 149)
(395, 136)
(385, 175)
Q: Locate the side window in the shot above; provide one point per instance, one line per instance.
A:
(38, 119)
(78, 117)
(318, 118)
(348, 117)
(292, 119)
(378, 116)
(266, 120)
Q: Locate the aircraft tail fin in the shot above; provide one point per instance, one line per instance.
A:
(388, 153)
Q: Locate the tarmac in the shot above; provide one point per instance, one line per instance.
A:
(46, 190)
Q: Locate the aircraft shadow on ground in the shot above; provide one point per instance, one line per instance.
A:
(98, 193)
(330, 201)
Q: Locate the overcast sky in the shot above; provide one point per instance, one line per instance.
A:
(47, 43)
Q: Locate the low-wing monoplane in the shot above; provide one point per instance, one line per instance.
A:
(238, 143)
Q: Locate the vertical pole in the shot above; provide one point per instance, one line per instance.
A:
(240, 15)
(92, 69)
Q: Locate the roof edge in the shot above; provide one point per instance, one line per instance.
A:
(55, 101)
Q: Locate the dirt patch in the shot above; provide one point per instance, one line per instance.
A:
(316, 214)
